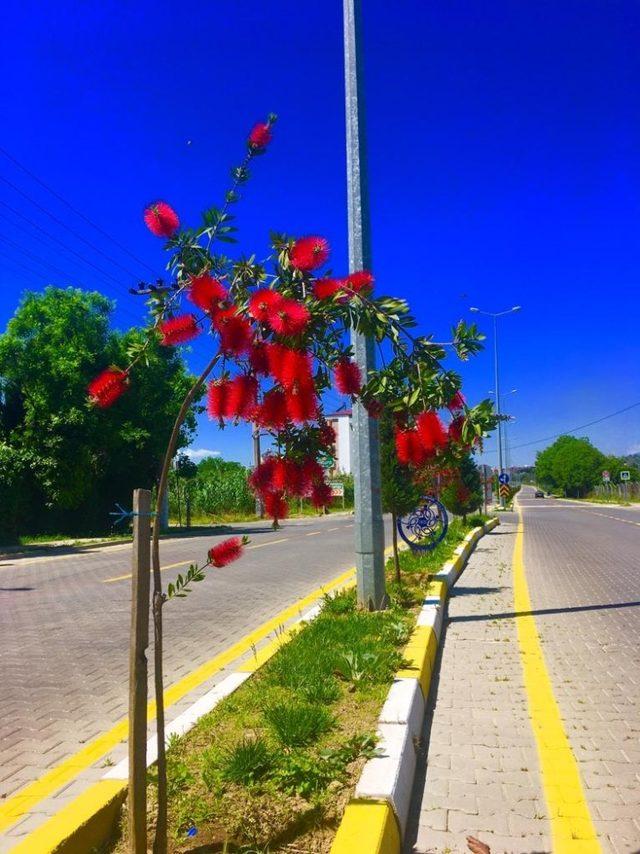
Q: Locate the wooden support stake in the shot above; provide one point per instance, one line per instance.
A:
(138, 643)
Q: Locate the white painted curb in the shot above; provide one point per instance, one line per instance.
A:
(390, 776)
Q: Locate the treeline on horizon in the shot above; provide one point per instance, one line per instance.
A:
(574, 467)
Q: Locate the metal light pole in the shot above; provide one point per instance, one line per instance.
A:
(369, 528)
(257, 459)
(495, 315)
(505, 435)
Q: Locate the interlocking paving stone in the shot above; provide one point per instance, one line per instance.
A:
(583, 571)
(481, 772)
(64, 640)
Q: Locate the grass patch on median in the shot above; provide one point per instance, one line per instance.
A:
(273, 766)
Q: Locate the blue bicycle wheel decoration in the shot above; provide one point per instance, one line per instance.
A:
(427, 526)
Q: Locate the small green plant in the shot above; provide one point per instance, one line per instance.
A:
(357, 667)
(339, 603)
(298, 724)
(246, 763)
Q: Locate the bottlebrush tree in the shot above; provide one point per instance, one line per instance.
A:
(277, 334)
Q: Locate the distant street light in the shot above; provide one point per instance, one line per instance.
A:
(495, 315)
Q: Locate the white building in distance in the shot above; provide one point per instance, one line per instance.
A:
(341, 423)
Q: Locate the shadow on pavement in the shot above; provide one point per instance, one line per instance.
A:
(468, 591)
(510, 615)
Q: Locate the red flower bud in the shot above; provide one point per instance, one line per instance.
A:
(161, 219)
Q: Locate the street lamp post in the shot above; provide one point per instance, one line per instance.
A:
(495, 315)
(505, 434)
(369, 528)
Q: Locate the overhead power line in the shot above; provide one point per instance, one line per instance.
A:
(64, 225)
(64, 245)
(56, 270)
(75, 210)
(573, 430)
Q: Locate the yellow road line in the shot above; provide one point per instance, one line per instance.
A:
(162, 569)
(25, 799)
(185, 562)
(572, 828)
(270, 543)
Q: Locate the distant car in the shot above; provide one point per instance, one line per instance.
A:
(539, 493)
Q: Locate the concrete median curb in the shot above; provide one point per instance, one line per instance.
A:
(374, 821)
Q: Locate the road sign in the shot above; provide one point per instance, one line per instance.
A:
(337, 488)
(625, 475)
(606, 476)
(504, 490)
(504, 477)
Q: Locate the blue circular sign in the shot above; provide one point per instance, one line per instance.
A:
(504, 477)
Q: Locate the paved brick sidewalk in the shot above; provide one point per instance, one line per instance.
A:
(482, 773)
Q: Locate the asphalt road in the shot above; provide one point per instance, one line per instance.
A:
(65, 628)
(582, 565)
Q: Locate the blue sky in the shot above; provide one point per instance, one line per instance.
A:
(503, 157)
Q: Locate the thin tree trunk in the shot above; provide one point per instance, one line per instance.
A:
(160, 840)
(396, 556)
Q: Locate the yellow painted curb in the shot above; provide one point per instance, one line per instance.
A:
(367, 827)
(370, 826)
(419, 654)
(572, 828)
(81, 825)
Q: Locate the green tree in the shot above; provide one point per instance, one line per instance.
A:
(463, 494)
(63, 462)
(570, 464)
(400, 492)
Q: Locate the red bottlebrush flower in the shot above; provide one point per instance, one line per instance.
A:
(242, 396)
(374, 408)
(207, 293)
(327, 288)
(218, 399)
(431, 431)
(297, 369)
(289, 318)
(321, 495)
(311, 473)
(280, 475)
(107, 387)
(457, 402)
(347, 377)
(236, 335)
(258, 359)
(455, 429)
(260, 135)
(272, 412)
(161, 219)
(177, 330)
(409, 448)
(309, 253)
(263, 303)
(361, 281)
(290, 366)
(327, 435)
(260, 479)
(226, 552)
(275, 506)
(302, 403)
